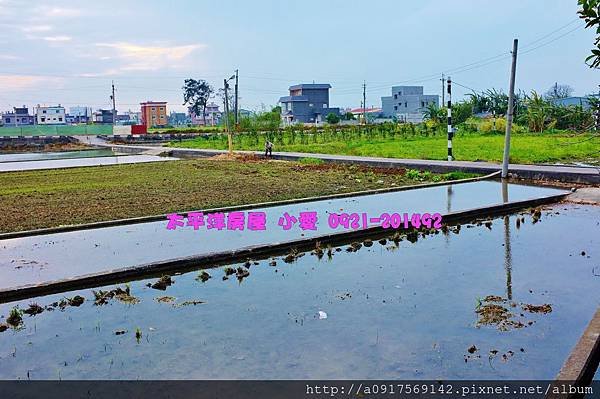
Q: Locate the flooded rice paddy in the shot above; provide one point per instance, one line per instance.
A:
(503, 300)
(36, 259)
(50, 155)
(70, 159)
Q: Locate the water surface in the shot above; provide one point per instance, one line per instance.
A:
(395, 313)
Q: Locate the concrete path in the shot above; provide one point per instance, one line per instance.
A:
(586, 195)
(573, 174)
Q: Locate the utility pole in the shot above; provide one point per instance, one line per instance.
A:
(509, 114)
(450, 128)
(443, 80)
(237, 108)
(365, 102)
(229, 138)
(114, 113)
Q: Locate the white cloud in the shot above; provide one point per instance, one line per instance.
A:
(57, 12)
(10, 57)
(57, 38)
(148, 58)
(36, 28)
(19, 82)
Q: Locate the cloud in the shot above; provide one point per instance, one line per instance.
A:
(36, 28)
(19, 82)
(10, 57)
(135, 57)
(58, 12)
(57, 38)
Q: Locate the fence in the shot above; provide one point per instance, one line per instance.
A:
(56, 130)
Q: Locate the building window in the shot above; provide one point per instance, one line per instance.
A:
(422, 103)
(310, 105)
(395, 108)
(59, 119)
(57, 111)
(324, 105)
(395, 96)
(43, 111)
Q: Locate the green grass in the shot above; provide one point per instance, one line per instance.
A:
(528, 148)
(48, 198)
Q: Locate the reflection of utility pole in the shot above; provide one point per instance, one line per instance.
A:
(449, 194)
(507, 251)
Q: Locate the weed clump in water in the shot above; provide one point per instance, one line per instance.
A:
(318, 250)
(33, 309)
(545, 308)
(412, 236)
(165, 299)
(163, 283)
(241, 273)
(355, 246)
(368, 243)
(76, 301)
(123, 295)
(292, 256)
(203, 276)
(15, 317)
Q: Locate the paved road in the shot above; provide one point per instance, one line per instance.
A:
(573, 174)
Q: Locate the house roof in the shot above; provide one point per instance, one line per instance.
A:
(289, 99)
(361, 110)
(311, 86)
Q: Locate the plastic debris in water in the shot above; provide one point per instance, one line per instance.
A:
(322, 315)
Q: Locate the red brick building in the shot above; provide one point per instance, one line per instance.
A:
(154, 113)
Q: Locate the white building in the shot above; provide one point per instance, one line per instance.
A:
(407, 103)
(50, 115)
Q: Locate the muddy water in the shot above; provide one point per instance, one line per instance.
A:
(51, 257)
(43, 156)
(406, 312)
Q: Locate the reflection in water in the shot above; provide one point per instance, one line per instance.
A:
(507, 254)
(449, 198)
(507, 257)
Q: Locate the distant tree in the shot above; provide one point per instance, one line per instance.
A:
(590, 13)
(434, 113)
(558, 91)
(349, 116)
(332, 118)
(196, 94)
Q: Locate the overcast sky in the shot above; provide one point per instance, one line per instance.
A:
(69, 52)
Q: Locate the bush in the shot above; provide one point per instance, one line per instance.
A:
(332, 118)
